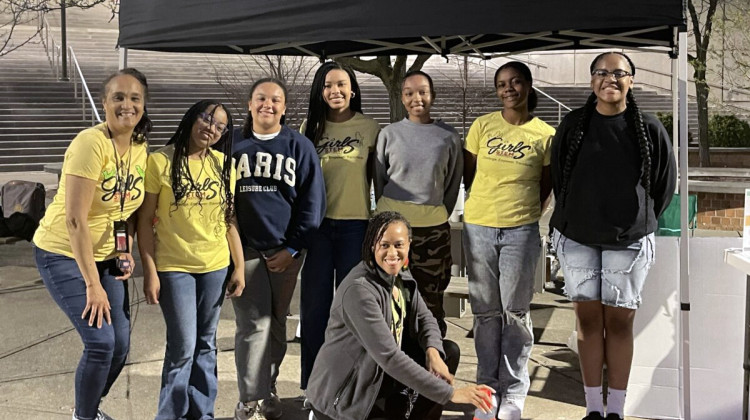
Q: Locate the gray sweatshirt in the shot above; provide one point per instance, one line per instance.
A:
(419, 163)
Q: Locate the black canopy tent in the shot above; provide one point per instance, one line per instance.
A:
(329, 29)
(334, 28)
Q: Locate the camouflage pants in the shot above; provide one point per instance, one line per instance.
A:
(430, 264)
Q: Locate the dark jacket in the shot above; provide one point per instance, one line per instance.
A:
(280, 194)
(605, 202)
(359, 347)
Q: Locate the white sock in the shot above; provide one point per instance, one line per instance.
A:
(594, 400)
(616, 401)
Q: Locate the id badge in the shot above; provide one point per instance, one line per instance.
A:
(121, 236)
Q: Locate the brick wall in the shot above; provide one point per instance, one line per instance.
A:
(720, 211)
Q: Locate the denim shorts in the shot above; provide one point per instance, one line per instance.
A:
(612, 274)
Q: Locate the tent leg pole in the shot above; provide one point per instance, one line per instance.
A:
(682, 93)
(123, 58)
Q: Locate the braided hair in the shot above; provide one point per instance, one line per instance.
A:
(180, 169)
(375, 231)
(634, 118)
(318, 108)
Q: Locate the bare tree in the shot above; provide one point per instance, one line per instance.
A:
(471, 88)
(236, 74)
(15, 14)
(702, 20)
(391, 73)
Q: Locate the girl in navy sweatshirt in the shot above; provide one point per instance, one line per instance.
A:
(279, 197)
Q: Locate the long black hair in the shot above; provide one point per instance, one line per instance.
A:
(524, 70)
(635, 121)
(181, 169)
(318, 108)
(247, 127)
(144, 126)
(375, 230)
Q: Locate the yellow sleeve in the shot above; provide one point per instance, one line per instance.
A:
(85, 157)
(232, 178)
(548, 150)
(154, 168)
(303, 127)
(472, 139)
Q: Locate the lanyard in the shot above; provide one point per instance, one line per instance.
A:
(122, 181)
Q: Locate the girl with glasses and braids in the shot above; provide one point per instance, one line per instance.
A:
(614, 174)
(345, 142)
(384, 357)
(507, 155)
(187, 232)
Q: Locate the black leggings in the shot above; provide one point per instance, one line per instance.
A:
(392, 401)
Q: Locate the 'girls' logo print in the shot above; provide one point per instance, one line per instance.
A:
(331, 145)
(497, 146)
(207, 189)
(111, 185)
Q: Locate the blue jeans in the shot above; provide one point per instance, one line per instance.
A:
(104, 349)
(191, 304)
(501, 263)
(335, 248)
(612, 274)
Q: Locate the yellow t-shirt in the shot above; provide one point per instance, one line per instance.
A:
(191, 236)
(92, 155)
(505, 191)
(343, 152)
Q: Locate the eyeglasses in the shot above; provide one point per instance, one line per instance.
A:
(603, 74)
(208, 119)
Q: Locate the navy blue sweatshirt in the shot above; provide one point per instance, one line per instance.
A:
(279, 195)
(606, 203)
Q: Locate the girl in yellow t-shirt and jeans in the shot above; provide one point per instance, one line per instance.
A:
(507, 158)
(187, 231)
(344, 140)
(101, 185)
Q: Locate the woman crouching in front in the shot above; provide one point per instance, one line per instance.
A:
(383, 356)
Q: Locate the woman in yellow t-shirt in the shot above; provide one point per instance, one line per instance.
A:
(187, 231)
(82, 245)
(345, 142)
(507, 174)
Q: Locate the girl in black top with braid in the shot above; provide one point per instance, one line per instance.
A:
(613, 173)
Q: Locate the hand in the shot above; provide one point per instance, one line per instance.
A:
(279, 261)
(476, 395)
(236, 284)
(436, 366)
(97, 306)
(126, 264)
(151, 288)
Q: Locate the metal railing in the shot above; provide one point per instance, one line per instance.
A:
(84, 89)
(54, 56)
(560, 105)
(52, 49)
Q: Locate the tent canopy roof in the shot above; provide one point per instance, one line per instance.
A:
(335, 28)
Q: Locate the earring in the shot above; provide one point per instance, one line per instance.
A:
(353, 95)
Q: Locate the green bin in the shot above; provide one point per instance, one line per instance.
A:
(669, 222)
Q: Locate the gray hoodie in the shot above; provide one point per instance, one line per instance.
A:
(359, 347)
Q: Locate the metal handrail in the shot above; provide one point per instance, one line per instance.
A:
(46, 37)
(560, 105)
(85, 92)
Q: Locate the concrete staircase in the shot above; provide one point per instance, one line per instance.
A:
(40, 115)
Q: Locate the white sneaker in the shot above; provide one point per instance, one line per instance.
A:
(100, 415)
(249, 411)
(509, 410)
(271, 407)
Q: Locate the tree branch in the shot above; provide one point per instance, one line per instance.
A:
(419, 62)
